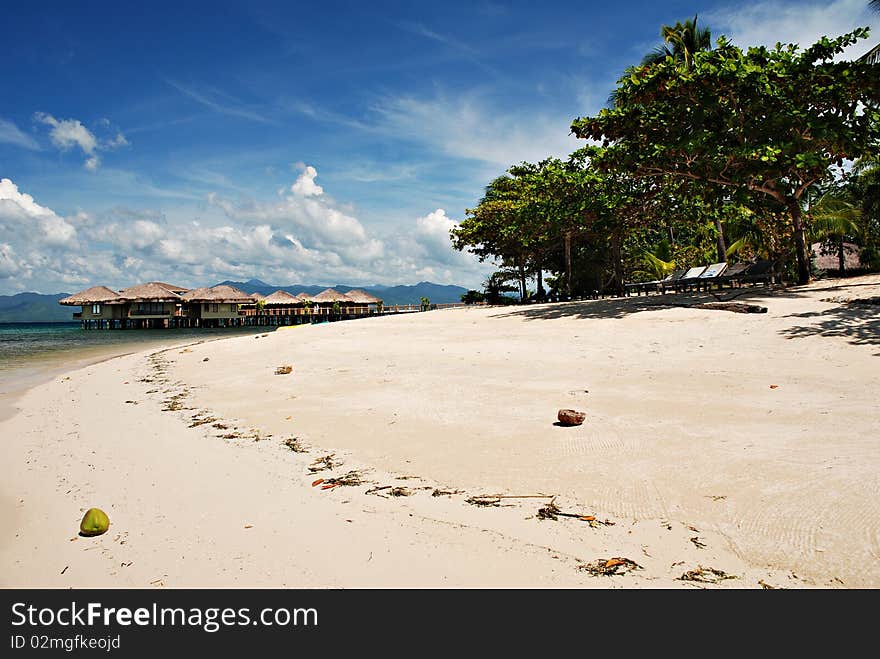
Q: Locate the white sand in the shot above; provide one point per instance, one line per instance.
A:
(684, 438)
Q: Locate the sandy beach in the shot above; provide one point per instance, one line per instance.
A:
(736, 450)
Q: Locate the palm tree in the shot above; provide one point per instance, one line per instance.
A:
(835, 218)
(682, 40)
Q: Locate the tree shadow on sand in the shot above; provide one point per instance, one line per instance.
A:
(619, 307)
(858, 323)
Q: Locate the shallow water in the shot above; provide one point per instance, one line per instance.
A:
(31, 353)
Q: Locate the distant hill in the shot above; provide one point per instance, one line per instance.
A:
(38, 308)
(34, 308)
(437, 293)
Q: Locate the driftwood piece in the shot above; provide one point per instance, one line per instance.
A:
(736, 307)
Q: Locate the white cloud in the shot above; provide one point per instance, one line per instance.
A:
(116, 142)
(36, 239)
(9, 266)
(220, 102)
(432, 234)
(21, 216)
(466, 126)
(69, 133)
(803, 23)
(305, 185)
(11, 134)
(296, 239)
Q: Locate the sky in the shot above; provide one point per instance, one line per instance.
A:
(305, 143)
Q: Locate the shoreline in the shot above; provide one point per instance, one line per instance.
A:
(33, 370)
(686, 450)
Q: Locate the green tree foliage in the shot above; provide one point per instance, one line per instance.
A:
(772, 122)
(473, 297)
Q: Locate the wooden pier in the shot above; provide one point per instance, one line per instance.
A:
(255, 317)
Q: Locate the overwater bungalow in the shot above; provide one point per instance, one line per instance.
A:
(153, 304)
(279, 307)
(158, 305)
(217, 306)
(100, 306)
(362, 301)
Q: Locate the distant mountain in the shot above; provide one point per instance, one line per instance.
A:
(34, 308)
(38, 308)
(437, 293)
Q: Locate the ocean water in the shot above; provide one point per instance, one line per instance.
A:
(31, 353)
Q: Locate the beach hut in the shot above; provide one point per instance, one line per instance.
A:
(329, 296)
(284, 305)
(215, 306)
(171, 287)
(326, 300)
(828, 258)
(152, 304)
(99, 306)
(362, 302)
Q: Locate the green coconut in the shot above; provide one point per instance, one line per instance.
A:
(94, 522)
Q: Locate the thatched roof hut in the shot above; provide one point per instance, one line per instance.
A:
(171, 287)
(150, 292)
(329, 296)
(223, 294)
(827, 259)
(93, 295)
(305, 297)
(359, 296)
(284, 298)
(256, 297)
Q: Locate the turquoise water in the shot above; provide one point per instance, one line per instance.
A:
(31, 353)
(23, 344)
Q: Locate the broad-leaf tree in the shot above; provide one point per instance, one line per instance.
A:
(770, 121)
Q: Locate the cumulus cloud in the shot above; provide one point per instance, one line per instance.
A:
(67, 134)
(35, 238)
(295, 239)
(9, 266)
(305, 185)
(315, 220)
(11, 134)
(432, 234)
(21, 216)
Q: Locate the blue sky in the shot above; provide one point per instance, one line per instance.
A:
(304, 142)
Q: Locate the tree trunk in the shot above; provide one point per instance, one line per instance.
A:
(540, 280)
(800, 242)
(841, 256)
(618, 263)
(522, 282)
(568, 264)
(671, 234)
(719, 241)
